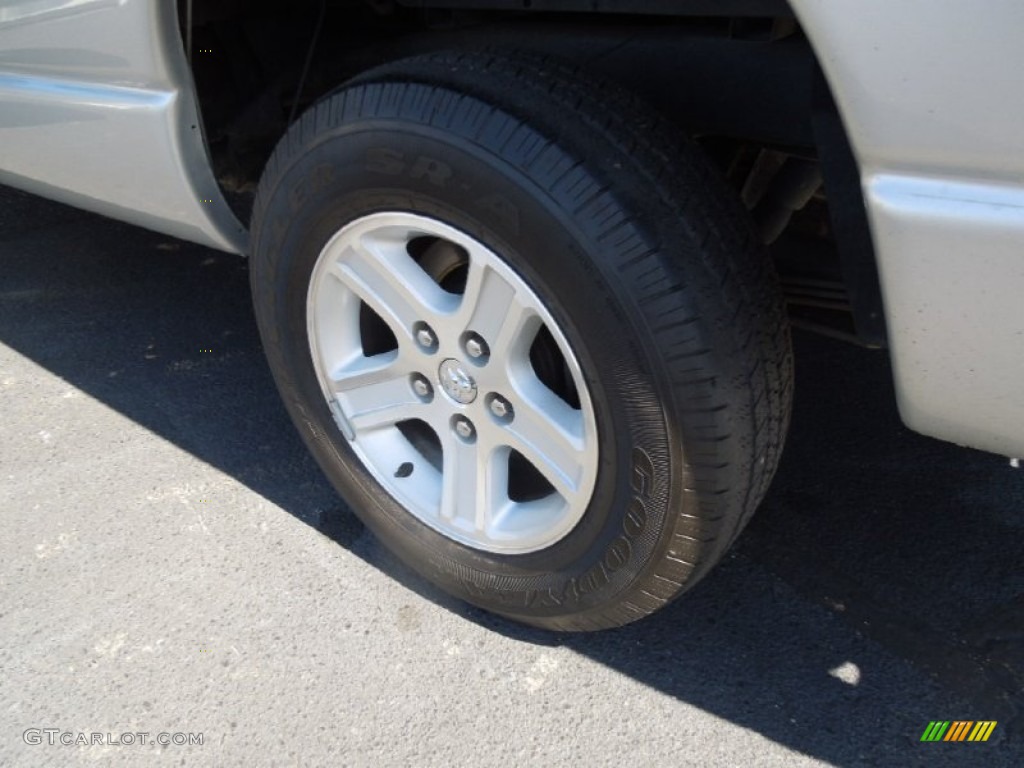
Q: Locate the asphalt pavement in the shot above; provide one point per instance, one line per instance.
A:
(172, 563)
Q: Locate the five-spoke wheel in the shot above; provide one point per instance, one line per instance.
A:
(453, 383)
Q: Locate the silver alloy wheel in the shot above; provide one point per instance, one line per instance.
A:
(487, 453)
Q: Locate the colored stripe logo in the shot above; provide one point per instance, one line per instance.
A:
(958, 730)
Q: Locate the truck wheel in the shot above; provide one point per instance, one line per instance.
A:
(525, 330)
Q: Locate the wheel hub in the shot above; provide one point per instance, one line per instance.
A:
(456, 381)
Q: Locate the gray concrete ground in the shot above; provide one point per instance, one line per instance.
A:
(172, 561)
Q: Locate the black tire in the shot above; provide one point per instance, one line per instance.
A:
(641, 253)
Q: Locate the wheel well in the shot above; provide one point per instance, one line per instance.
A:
(739, 76)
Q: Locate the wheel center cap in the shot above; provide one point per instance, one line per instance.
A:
(456, 381)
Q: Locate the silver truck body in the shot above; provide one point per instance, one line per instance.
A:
(98, 109)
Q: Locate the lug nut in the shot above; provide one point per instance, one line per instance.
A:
(501, 408)
(422, 387)
(476, 347)
(464, 428)
(425, 338)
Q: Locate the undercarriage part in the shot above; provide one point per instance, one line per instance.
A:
(815, 291)
(778, 186)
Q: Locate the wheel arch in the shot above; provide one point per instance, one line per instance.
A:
(255, 70)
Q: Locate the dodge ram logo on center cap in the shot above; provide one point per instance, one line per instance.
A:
(456, 382)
